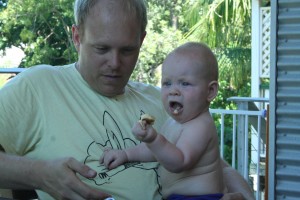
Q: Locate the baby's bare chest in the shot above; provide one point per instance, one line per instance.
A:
(172, 131)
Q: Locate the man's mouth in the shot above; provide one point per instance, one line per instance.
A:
(111, 77)
(175, 107)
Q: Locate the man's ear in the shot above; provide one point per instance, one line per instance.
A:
(213, 88)
(143, 37)
(76, 37)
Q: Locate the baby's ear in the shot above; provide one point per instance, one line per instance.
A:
(212, 90)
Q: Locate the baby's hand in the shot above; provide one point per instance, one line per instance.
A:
(140, 130)
(143, 129)
(112, 158)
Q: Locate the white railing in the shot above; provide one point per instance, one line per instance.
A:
(7, 73)
(248, 140)
(14, 70)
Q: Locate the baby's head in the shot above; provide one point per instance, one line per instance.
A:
(200, 56)
(189, 80)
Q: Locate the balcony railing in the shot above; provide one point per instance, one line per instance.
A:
(246, 127)
(248, 141)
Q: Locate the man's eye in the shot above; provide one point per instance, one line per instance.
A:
(101, 49)
(128, 50)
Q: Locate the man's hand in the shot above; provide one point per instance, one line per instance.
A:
(59, 179)
(238, 188)
(233, 196)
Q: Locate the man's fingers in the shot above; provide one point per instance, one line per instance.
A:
(81, 168)
(233, 196)
(81, 189)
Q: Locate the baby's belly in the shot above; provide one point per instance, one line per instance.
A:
(191, 183)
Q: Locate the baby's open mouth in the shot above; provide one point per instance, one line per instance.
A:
(175, 107)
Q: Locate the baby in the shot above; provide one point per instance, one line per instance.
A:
(187, 146)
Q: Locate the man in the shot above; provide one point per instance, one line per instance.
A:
(55, 121)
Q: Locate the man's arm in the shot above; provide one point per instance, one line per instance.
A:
(58, 177)
(238, 188)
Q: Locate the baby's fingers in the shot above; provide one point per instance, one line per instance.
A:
(104, 154)
(106, 161)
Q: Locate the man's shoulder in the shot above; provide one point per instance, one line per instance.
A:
(143, 87)
(40, 73)
(45, 69)
(39, 76)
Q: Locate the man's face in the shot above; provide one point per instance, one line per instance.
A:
(108, 49)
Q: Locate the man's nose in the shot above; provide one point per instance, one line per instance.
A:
(115, 60)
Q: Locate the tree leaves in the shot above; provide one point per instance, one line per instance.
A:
(225, 26)
(40, 28)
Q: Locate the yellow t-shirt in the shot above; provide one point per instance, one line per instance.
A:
(49, 112)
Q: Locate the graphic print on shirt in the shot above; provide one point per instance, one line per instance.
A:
(115, 140)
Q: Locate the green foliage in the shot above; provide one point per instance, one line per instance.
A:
(155, 48)
(42, 29)
(226, 27)
(220, 23)
(163, 35)
(3, 4)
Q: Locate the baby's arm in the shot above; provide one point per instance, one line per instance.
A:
(174, 157)
(112, 158)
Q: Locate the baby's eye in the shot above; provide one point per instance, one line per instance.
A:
(185, 83)
(166, 83)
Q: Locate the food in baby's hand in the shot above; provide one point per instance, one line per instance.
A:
(146, 119)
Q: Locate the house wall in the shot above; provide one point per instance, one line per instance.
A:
(255, 46)
(284, 124)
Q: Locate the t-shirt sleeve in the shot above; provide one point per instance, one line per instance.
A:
(20, 116)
